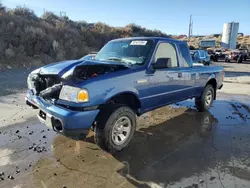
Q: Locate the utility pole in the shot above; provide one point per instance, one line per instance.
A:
(190, 28)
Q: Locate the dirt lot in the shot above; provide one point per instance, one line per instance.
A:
(236, 72)
(174, 146)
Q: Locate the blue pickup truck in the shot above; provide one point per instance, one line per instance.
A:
(125, 79)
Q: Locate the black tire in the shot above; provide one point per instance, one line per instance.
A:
(240, 59)
(216, 58)
(211, 58)
(104, 127)
(201, 102)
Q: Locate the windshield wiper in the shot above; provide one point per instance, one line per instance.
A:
(127, 64)
(114, 58)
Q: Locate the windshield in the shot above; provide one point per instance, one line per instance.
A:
(130, 52)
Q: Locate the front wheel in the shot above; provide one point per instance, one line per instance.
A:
(114, 131)
(205, 101)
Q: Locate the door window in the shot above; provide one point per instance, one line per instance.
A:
(202, 54)
(206, 54)
(186, 55)
(167, 50)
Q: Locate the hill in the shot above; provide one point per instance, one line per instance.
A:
(27, 39)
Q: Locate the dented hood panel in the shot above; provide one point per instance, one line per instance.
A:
(60, 68)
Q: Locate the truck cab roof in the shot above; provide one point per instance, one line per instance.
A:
(156, 39)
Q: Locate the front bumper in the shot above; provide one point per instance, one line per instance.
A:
(68, 122)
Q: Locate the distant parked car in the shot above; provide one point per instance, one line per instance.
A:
(236, 55)
(216, 55)
(200, 56)
(213, 56)
(218, 52)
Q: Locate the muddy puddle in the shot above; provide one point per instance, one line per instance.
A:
(174, 146)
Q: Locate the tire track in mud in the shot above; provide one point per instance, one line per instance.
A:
(242, 110)
(246, 107)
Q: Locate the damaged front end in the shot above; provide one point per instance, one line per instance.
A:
(61, 97)
(45, 86)
(48, 86)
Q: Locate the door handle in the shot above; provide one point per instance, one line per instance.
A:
(179, 74)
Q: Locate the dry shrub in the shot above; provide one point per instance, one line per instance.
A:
(2, 8)
(60, 24)
(34, 31)
(3, 25)
(9, 53)
(55, 45)
(23, 11)
(60, 55)
(3, 47)
(50, 16)
(46, 59)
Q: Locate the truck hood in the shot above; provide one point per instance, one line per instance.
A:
(60, 68)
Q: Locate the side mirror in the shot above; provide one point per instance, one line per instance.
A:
(162, 63)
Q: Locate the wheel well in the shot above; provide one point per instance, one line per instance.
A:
(128, 99)
(213, 83)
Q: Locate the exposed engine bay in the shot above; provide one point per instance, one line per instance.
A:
(49, 86)
(86, 72)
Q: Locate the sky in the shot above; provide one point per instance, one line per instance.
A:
(169, 16)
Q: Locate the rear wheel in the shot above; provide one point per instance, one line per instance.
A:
(115, 129)
(205, 101)
(216, 58)
(240, 59)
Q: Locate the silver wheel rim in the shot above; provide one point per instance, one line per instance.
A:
(209, 97)
(121, 130)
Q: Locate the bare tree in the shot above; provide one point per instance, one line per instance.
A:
(2, 8)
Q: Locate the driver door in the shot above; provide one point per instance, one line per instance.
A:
(164, 85)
